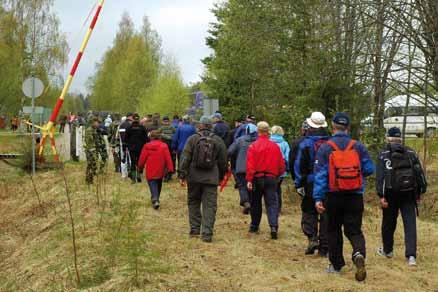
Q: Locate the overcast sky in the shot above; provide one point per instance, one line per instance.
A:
(182, 25)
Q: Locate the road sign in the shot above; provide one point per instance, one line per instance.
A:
(33, 87)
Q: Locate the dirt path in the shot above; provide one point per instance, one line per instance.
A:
(35, 251)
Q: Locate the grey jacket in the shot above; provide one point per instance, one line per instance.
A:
(187, 169)
(240, 148)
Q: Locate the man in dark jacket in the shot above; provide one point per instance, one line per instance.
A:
(303, 169)
(203, 166)
(220, 128)
(250, 119)
(400, 183)
(265, 164)
(239, 149)
(136, 137)
(183, 133)
(294, 150)
(344, 207)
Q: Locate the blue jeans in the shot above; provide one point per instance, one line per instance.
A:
(155, 188)
(243, 190)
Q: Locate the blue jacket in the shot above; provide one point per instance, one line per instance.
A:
(183, 133)
(241, 131)
(303, 167)
(285, 150)
(221, 129)
(321, 170)
(239, 149)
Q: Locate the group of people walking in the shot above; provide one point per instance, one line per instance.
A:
(328, 170)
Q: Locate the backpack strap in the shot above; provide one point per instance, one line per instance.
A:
(350, 145)
(333, 145)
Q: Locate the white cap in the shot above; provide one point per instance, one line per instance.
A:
(317, 120)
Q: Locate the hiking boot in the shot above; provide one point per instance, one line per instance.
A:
(412, 261)
(194, 233)
(381, 252)
(331, 270)
(253, 229)
(359, 262)
(207, 239)
(246, 208)
(323, 253)
(274, 233)
(156, 205)
(312, 247)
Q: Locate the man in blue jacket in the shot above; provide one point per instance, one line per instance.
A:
(220, 128)
(183, 133)
(344, 206)
(303, 172)
(239, 149)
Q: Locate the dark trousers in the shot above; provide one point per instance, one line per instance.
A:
(407, 209)
(243, 190)
(344, 210)
(155, 186)
(264, 187)
(310, 218)
(202, 196)
(134, 174)
(279, 193)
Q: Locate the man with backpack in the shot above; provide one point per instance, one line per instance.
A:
(203, 166)
(304, 178)
(341, 166)
(400, 183)
(136, 137)
(264, 166)
(239, 149)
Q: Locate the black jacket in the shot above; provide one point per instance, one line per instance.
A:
(136, 137)
(384, 168)
(294, 145)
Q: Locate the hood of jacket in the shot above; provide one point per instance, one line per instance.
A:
(277, 139)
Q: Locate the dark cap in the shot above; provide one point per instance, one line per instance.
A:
(341, 119)
(129, 114)
(166, 118)
(251, 118)
(394, 133)
(136, 117)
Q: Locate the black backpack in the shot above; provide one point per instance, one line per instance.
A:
(204, 156)
(403, 176)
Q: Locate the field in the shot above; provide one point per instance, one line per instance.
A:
(124, 245)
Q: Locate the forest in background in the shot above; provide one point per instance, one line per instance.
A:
(282, 59)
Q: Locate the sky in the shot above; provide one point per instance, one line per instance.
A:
(182, 25)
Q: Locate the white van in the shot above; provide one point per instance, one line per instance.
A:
(394, 109)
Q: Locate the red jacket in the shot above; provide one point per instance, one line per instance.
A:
(264, 159)
(155, 159)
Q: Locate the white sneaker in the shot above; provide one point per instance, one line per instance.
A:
(331, 270)
(412, 261)
(381, 252)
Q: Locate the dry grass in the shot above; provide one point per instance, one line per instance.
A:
(36, 250)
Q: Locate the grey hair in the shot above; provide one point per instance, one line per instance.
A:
(394, 140)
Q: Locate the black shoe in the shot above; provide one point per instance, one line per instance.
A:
(194, 233)
(361, 272)
(246, 208)
(253, 229)
(312, 247)
(323, 253)
(274, 233)
(207, 239)
(156, 205)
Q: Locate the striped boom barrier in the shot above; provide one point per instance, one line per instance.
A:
(49, 128)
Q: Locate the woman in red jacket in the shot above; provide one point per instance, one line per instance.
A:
(155, 159)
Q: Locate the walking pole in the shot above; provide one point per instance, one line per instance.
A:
(48, 129)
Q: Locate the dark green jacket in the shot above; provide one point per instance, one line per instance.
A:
(187, 169)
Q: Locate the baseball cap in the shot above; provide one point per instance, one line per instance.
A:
(341, 119)
(317, 120)
(394, 132)
(251, 128)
